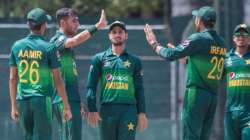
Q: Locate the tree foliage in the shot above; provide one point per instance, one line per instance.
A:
(113, 8)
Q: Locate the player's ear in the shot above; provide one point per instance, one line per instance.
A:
(109, 35)
(234, 39)
(197, 20)
(61, 22)
(126, 35)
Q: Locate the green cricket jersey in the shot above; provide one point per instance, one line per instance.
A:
(68, 68)
(120, 80)
(34, 59)
(237, 70)
(206, 52)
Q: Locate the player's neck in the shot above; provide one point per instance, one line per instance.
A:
(118, 50)
(35, 32)
(241, 50)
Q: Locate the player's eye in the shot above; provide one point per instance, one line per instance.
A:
(75, 20)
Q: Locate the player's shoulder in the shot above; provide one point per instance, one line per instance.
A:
(58, 37)
(19, 43)
(196, 35)
(230, 53)
(133, 56)
(100, 56)
(51, 46)
(22, 41)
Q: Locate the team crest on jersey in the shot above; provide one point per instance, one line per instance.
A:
(126, 64)
(248, 61)
(231, 75)
(131, 126)
(109, 77)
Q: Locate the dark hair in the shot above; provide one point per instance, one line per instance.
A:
(64, 13)
(34, 26)
(209, 24)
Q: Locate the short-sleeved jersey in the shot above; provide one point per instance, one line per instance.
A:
(206, 52)
(120, 80)
(34, 58)
(237, 70)
(68, 68)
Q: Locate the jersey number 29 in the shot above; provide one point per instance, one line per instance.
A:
(218, 65)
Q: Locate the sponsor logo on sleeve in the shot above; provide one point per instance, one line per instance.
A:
(185, 43)
(61, 38)
(90, 67)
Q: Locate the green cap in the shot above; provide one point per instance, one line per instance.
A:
(38, 16)
(242, 30)
(206, 13)
(117, 23)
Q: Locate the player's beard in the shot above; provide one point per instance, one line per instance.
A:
(242, 46)
(70, 32)
(117, 43)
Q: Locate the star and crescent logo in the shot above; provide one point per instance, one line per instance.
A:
(131, 126)
(126, 64)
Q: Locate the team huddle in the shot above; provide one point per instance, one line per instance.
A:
(43, 80)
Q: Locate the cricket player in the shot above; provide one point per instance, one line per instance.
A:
(205, 51)
(33, 66)
(66, 38)
(122, 94)
(237, 72)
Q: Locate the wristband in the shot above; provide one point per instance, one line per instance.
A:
(92, 29)
(154, 45)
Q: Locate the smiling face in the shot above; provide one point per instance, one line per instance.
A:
(118, 36)
(241, 41)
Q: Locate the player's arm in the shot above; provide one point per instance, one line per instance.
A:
(54, 64)
(93, 78)
(61, 92)
(139, 95)
(86, 34)
(13, 79)
(84, 110)
(185, 49)
(13, 91)
(183, 60)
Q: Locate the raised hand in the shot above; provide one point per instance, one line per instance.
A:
(102, 23)
(150, 36)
